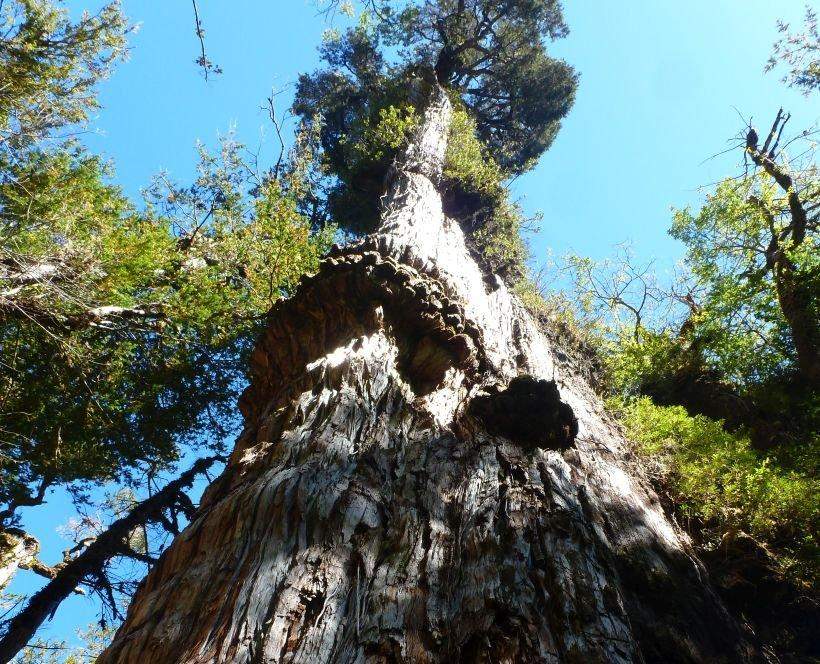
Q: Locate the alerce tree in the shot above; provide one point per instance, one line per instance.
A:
(422, 476)
(509, 96)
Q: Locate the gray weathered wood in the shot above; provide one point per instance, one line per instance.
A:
(17, 550)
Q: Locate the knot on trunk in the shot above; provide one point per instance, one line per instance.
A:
(355, 293)
(528, 412)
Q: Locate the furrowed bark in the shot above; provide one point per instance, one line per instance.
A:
(110, 543)
(423, 477)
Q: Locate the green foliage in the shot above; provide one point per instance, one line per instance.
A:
(124, 330)
(800, 53)
(716, 342)
(740, 321)
(494, 56)
(472, 187)
(366, 152)
(363, 115)
(473, 194)
(94, 640)
(634, 363)
(718, 481)
(467, 160)
(723, 319)
(499, 242)
(123, 333)
(509, 98)
(380, 141)
(49, 67)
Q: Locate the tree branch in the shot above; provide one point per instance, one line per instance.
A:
(26, 501)
(765, 159)
(108, 544)
(202, 60)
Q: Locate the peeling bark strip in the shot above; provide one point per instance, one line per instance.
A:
(367, 514)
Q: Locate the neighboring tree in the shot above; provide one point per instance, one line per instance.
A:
(790, 216)
(616, 296)
(737, 336)
(800, 52)
(714, 374)
(50, 69)
(124, 331)
(94, 555)
(94, 639)
(422, 475)
(744, 321)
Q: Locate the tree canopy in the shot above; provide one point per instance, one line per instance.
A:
(51, 68)
(491, 56)
(124, 331)
(123, 328)
(799, 52)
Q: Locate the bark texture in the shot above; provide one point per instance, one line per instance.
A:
(392, 500)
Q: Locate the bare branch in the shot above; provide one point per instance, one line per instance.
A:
(206, 64)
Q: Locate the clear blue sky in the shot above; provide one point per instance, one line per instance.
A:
(659, 80)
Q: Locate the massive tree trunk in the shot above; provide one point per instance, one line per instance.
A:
(411, 485)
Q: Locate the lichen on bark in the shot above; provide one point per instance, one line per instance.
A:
(17, 550)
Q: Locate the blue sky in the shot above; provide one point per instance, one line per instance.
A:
(660, 81)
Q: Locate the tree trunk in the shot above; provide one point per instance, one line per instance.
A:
(17, 549)
(795, 293)
(798, 302)
(397, 496)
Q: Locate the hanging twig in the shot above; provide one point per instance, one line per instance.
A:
(202, 60)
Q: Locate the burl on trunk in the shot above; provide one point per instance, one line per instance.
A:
(422, 477)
